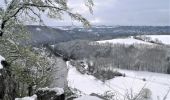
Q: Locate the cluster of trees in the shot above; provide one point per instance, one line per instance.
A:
(108, 56)
(30, 67)
(102, 74)
(148, 39)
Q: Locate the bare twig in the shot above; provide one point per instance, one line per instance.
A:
(165, 97)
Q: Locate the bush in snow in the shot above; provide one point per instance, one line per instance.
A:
(50, 94)
(100, 73)
(110, 95)
(144, 94)
(72, 93)
(106, 74)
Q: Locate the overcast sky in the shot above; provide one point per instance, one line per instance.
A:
(121, 12)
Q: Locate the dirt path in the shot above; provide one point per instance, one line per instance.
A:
(59, 74)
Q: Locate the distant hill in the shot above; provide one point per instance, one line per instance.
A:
(52, 35)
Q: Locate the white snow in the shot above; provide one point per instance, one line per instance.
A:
(127, 41)
(159, 84)
(62, 28)
(38, 29)
(88, 98)
(1, 58)
(34, 97)
(58, 91)
(163, 38)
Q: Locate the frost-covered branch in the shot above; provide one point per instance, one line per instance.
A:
(54, 8)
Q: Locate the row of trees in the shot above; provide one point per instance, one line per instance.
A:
(107, 56)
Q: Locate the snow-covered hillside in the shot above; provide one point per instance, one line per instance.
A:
(165, 39)
(158, 84)
(128, 41)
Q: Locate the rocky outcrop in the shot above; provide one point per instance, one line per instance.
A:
(50, 94)
(46, 94)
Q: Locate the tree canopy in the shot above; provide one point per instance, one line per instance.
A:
(29, 65)
(13, 11)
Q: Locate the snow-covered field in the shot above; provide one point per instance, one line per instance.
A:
(163, 38)
(130, 40)
(127, 41)
(159, 84)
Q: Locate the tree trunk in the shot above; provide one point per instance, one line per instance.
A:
(7, 85)
(30, 90)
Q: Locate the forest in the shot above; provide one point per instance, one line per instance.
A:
(140, 57)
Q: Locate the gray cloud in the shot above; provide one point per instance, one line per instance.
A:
(134, 12)
(124, 12)
(120, 12)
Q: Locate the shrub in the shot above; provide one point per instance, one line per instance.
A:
(106, 75)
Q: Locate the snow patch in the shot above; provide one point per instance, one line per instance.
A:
(58, 91)
(88, 98)
(34, 97)
(38, 29)
(87, 84)
(1, 59)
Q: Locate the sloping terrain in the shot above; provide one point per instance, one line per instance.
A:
(132, 84)
(126, 41)
(164, 39)
(52, 35)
